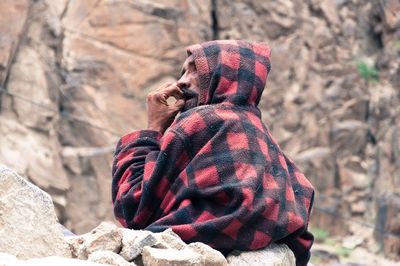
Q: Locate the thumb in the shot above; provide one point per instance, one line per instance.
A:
(179, 104)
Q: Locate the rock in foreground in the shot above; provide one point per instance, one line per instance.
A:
(28, 223)
(273, 255)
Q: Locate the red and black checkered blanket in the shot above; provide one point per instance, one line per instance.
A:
(216, 175)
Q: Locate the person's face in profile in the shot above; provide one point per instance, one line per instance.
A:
(189, 82)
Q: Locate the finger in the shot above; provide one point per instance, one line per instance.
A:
(179, 104)
(165, 85)
(163, 98)
(157, 97)
(157, 93)
(174, 91)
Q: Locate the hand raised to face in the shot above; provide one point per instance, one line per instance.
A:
(160, 113)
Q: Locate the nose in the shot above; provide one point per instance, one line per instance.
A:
(183, 82)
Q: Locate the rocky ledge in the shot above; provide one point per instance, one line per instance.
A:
(31, 235)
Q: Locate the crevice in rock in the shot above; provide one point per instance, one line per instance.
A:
(376, 38)
(165, 13)
(21, 39)
(375, 26)
(65, 11)
(214, 20)
(370, 135)
(380, 219)
(337, 178)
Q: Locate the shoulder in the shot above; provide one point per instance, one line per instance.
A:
(213, 118)
(196, 120)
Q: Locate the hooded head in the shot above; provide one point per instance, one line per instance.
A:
(228, 71)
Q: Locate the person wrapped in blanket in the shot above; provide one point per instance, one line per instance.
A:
(207, 167)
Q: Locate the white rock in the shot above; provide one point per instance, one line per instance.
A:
(211, 256)
(28, 223)
(169, 257)
(133, 242)
(168, 240)
(109, 257)
(106, 236)
(273, 255)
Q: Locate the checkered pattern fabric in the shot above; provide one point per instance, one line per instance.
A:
(216, 175)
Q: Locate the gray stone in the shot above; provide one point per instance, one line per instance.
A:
(211, 256)
(168, 240)
(28, 223)
(273, 255)
(106, 236)
(169, 257)
(133, 242)
(74, 243)
(109, 257)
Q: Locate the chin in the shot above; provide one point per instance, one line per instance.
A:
(189, 104)
(191, 98)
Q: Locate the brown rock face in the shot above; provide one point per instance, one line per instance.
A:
(331, 101)
(11, 25)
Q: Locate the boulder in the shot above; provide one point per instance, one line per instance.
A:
(105, 237)
(273, 255)
(211, 256)
(109, 257)
(133, 242)
(28, 223)
(170, 240)
(170, 257)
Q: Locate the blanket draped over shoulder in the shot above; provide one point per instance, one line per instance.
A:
(216, 175)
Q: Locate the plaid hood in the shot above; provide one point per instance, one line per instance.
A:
(231, 71)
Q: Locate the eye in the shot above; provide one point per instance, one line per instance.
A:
(192, 67)
(182, 72)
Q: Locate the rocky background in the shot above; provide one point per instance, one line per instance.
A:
(74, 75)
